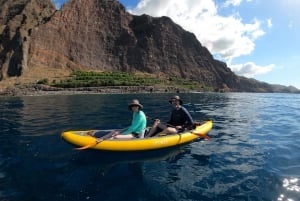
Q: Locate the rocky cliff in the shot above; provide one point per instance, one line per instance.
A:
(17, 20)
(100, 35)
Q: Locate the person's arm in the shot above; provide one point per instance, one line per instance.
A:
(189, 120)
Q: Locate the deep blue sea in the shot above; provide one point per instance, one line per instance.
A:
(254, 153)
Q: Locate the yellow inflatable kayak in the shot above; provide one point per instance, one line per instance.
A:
(84, 141)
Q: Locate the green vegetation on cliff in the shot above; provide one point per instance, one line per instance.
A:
(100, 79)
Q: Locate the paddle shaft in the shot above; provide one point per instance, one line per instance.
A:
(97, 141)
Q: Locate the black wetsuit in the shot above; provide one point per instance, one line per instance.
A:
(180, 117)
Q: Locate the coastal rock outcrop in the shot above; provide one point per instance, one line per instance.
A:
(38, 40)
(17, 20)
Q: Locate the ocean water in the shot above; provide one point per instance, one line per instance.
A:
(254, 153)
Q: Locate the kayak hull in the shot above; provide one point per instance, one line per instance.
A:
(81, 139)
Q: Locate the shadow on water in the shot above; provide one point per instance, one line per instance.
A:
(171, 155)
(112, 175)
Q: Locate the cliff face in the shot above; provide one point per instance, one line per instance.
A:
(85, 34)
(101, 35)
(17, 19)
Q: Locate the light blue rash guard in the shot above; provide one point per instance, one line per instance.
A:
(138, 123)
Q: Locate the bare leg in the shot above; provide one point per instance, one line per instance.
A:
(91, 132)
(154, 129)
(127, 136)
(169, 130)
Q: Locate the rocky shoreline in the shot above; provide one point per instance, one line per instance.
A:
(39, 90)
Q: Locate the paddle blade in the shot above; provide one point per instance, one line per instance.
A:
(202, 135)
(86, 146)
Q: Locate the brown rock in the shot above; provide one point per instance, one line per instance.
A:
(37, 40)
(17, 19)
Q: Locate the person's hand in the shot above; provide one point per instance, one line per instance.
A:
(115, 133)
(178, 127)
(156, 122)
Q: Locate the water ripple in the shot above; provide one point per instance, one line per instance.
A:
(253, 154)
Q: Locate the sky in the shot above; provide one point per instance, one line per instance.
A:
(256, 38)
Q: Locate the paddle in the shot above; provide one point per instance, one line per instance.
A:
(202, 135)
(97, 141)
(87, 146)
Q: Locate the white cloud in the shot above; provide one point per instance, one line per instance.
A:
(269, 23)
(250, 69)
(232, 2)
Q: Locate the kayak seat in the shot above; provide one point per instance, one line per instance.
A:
(101, 133)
